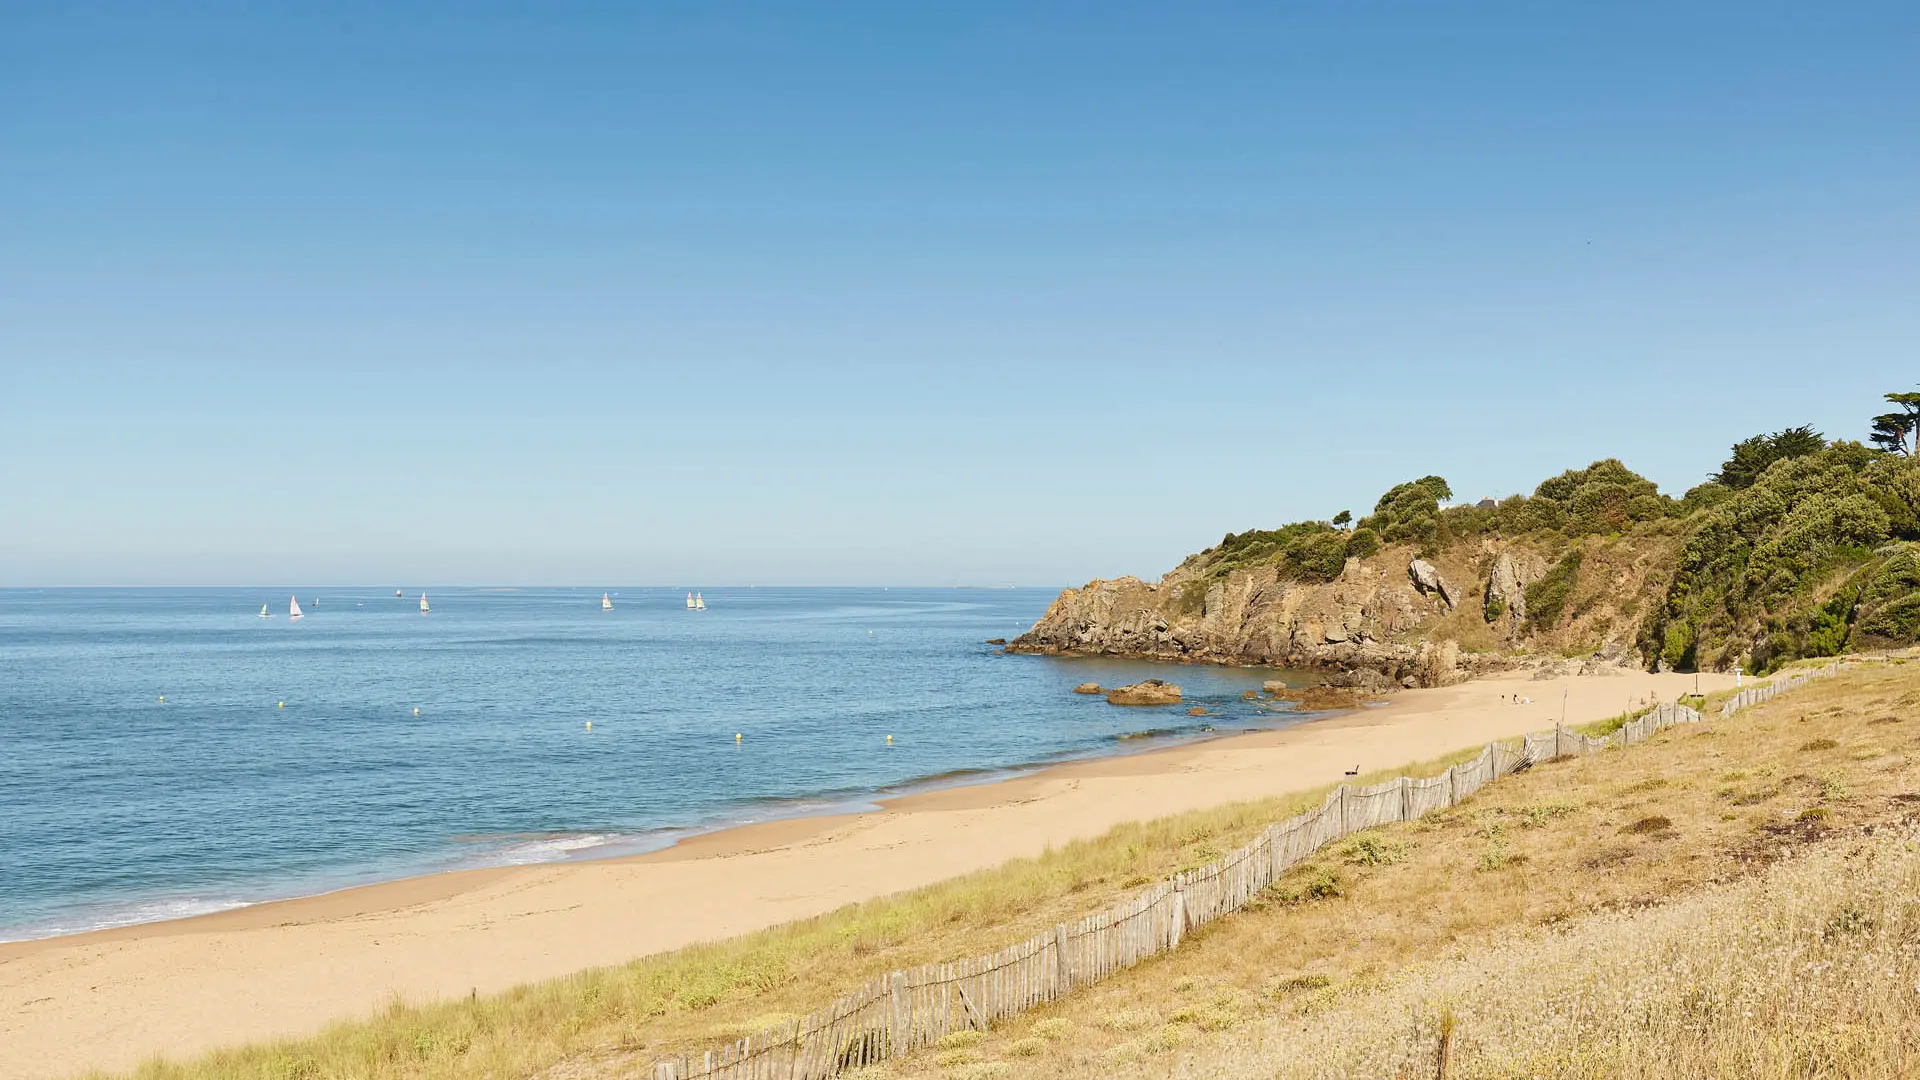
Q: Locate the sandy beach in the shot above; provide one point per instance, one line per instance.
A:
(111, 999)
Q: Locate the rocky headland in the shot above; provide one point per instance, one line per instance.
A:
(1798, 547)
(1384, 622)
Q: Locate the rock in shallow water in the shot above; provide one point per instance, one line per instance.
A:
(1150, 692)
(1088, 688)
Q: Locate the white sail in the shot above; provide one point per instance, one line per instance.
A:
(423, 603)
(699, 602)
(689, 601)
(293, 607)
(606, 602)
(264, 613)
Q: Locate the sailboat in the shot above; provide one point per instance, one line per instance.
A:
(423, 603)
(293, 607)
(606, 602)
(397, 592)
(264, 613)
(689, 601)
(699, 603)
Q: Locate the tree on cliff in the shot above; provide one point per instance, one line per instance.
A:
(1752, 456)
(1409, 513)
(1890, 430)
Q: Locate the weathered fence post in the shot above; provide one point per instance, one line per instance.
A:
(1179, 916)
(897, 1017)
(1062, 972)
(1343, 809)
(666, 1070)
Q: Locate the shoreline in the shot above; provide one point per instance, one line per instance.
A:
(643, 842)
(110, 998)
(892, 797)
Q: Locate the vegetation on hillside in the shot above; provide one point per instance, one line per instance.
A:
(1794, 547)
(1779, 569)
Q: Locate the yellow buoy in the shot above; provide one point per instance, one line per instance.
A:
(889, 740)
(163, 699)
(283, 704)
(736, 737)
(589, 725)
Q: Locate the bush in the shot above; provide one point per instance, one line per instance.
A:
(1317, 556)
(1409, 513)
(1363, 544)
(1547, 598)
(1753, 577)
(1753, 457)
(1604, 497)
(1496, 607)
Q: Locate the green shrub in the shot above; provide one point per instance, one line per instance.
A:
(1317, 555)
(1755, 579)
(1547, 597)
(1496, 607)
(1409, 513)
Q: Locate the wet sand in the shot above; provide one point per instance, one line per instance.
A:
(112, 998)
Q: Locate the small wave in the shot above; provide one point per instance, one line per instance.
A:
(521, 849)
(1150, 733)
(110, 917)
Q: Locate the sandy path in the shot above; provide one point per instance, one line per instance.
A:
(113, 998)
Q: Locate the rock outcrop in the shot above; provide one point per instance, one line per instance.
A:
(1384, 622)
(1247, 617)
(1428, 580)
(1149, 692)
(1316, 698)
(1505, 598)
(1088, 688)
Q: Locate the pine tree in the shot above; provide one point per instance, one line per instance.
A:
(1890, 430)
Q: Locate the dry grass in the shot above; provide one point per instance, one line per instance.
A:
(1545, 914)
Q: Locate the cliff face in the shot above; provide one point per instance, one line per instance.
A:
(1390, 618)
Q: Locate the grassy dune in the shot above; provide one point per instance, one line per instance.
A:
(1366, 947)
(1737, 899)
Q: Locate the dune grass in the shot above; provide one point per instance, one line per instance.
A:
(1616, 915)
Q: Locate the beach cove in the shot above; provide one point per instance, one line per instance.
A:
(112, 998)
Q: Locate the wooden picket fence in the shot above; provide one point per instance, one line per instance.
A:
(906, 1010)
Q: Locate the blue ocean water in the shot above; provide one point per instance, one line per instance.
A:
(118, 807)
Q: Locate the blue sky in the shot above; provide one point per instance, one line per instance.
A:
(865, 293)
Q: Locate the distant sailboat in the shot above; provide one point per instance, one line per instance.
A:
(699, 604)
(606, 602)
(264, 613)
(689, 601)
(423, 603)
(397, 592)
(293, 607)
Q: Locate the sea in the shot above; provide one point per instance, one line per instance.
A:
(167, 752)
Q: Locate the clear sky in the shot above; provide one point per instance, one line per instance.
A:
(906, 293)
